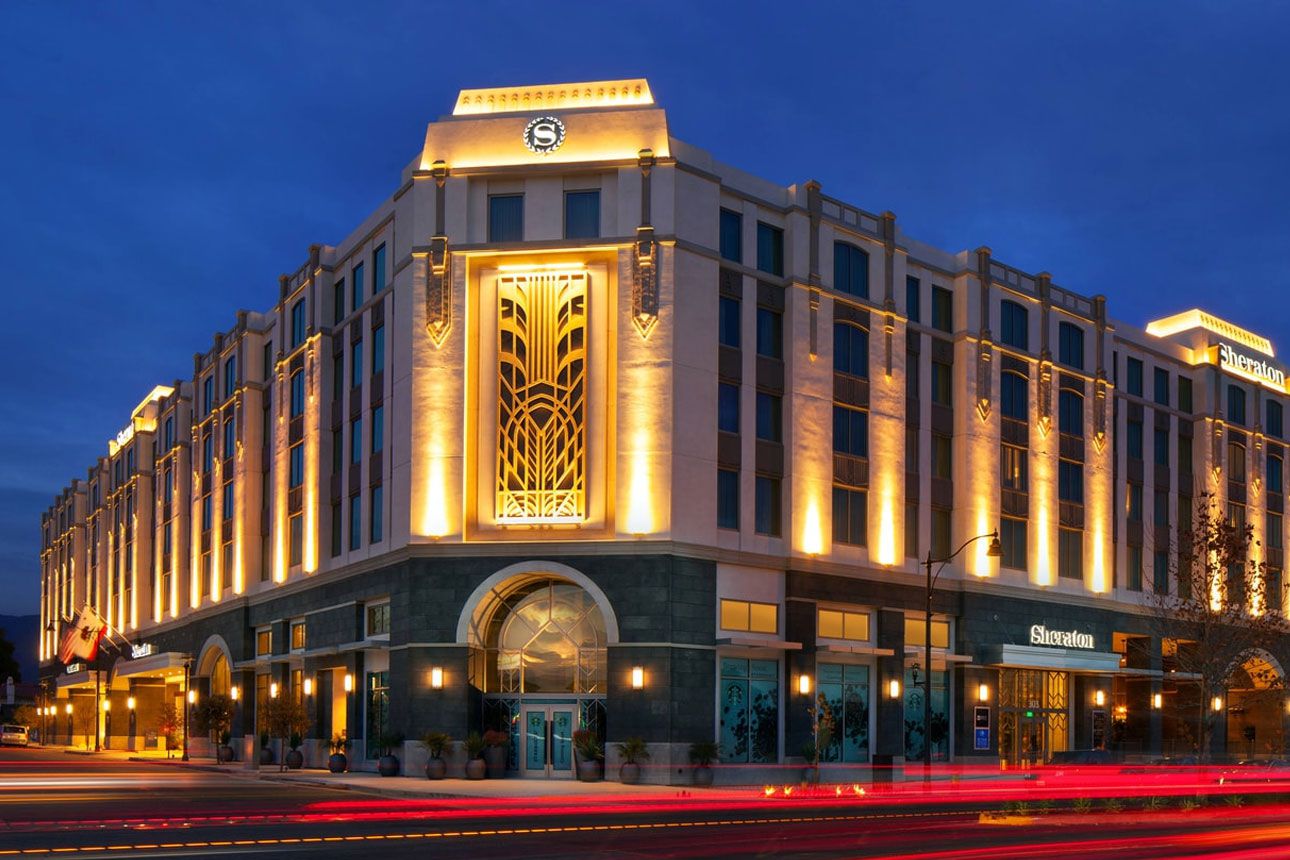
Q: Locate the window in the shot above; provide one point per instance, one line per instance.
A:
(940, 533)
(850, 270)
(1236, 462)
(356, 441)
(1160, 447)
(337, 531)
(378, 269)
(850, 431)
(581, 214)
(1184, 454)
(230, 376)
(268, 361)
(378, 349)
(1070, 554)
(1184, 394)
(1275, 531)
(749, 617)
(208, 454)
(1070, 412)
(263, 643)
(770, 249)
(912, 298)
(728, 322)
(1070, 345)
(1133, 502)
(297, 394)
(1133, 440)
(378, 620)
(916, 632)
(168, 435)
(298, 636)
(770, 333)
(840, 624)
(766, 506)
(1133, 376)
(727, 499)
(731, 238)
(376, 516)
(378, 429)
(337, 376)
(1070, 481)
(1160, 511)
(338, 301)
(1160, 572)
(506, 218)
(355, 521)
(356, 364)
(850, 516)
(942, 457)
(296, 530)
(769, 417)
(296, 471)
(226, 506)
(208, 395)
(298, 323)
(1014, 327)
(1012, 535)
(942, 384)
(728, 407)
(1276, 472)
(1014, 396)
(230, 438)
(1012, 463)
(942, 309)
(356, 287)
(1236, 404)
(850, 350)
(1275, 422)
(1161, 380)
(1133, 576)
(749, 699)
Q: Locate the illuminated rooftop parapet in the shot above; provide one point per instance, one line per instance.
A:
(1196, 318)
(587, 94)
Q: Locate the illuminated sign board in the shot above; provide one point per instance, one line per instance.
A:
(142, 649)
(544, 134)
(123, 438)
(73, 668)
(1041, 635)
(1255, 369)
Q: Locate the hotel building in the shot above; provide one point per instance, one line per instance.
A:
(583, 428)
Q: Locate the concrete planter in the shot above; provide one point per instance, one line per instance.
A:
(495, 759)
(388, 765)
(295, 760)
(338, 763)
(476, 769)
(266, 755)
(436, 768)
(702, 776)
(629, 773)
(590, 771)
(224, 754)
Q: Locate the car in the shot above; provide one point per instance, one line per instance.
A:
(14, 736)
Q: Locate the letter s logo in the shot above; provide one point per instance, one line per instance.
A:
(544, 134)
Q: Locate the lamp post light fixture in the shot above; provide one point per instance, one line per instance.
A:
(994, 550)
(638, 677)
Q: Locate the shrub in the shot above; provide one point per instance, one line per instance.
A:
(1112, 804)
(704, 753)
(633, 750)
(475, 745)
(436, 742)
(1083, 805)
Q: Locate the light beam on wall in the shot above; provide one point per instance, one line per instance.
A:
(812, 533)
(434, 519)
(640, 513)
(887, 525)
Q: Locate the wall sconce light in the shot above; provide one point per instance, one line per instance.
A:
(638, 677)
(107, 705)
(1217, 704)
(1099, 697)
(436, 678)
(129, 703)
(273, 690)
(192, 697)
(983, 693)
(893, 688)
(349, 683)
(309, 686)
(234, 692)
(1157, 701)
(804, 684)
(69, 709)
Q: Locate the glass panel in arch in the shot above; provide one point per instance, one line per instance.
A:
(550, 663)
(592, 671)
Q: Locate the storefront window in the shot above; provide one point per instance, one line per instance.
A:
(749, 710)
(845, 710)
(940, 726)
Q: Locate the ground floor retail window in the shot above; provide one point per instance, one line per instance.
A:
(749, 710)
(378, 711)
(844, 711)
(939, 729)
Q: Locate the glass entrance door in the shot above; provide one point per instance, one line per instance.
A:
(548, 741)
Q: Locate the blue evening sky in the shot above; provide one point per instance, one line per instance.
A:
(164, 162)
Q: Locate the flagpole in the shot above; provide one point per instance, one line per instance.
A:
(98, 708)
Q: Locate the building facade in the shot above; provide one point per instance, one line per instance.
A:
(582, 428)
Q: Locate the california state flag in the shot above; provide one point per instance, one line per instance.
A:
(81, 641)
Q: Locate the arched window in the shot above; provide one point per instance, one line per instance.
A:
(850, 350)
(1236, 462)
(1013, 400)
(1236, 404)
(1070, 412)
(850, 270)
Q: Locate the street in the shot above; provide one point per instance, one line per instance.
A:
(53, 802)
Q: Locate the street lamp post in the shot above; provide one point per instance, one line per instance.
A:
(995, 550)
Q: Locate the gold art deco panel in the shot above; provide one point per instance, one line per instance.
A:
(542, 396)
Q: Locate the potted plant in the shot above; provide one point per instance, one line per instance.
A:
(388, 763)
(213, 717)
(702, 755)
(168, 727)
(589, 754)
(295, 758)
(632, 751)
(225, 746)
(495, 743)
(266, 751)
(475, 767)
(810, 755)
(435, 743)
(338, 762)
(288, 719)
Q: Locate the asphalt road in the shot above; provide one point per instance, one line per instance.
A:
(53, 803)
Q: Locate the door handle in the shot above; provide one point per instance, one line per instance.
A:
(550, 737)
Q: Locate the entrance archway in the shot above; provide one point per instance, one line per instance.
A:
(1255, 708)
(214, 666)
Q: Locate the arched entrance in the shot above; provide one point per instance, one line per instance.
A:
(1255, 708)
(538, 650)
(214, 666)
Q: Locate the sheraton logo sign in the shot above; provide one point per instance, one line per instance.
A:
(544, 134)
(1041, 635)
(1250, 367)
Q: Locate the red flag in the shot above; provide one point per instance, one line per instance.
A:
(82, 638)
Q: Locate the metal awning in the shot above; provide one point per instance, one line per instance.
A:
(769, 644)
(153, 664)
(859, 649)
(1038, 657)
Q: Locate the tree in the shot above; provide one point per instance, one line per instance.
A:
(1216, 616)
(9, 667)
(169, 722)
(213, 716)
(283, 718)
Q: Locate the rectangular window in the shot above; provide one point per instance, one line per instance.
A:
(338, 376)
(728, 322)
(913, 299)
(1236, 404)
(1012, 535)
(1161, 379)
(1133, 376)
(942, 384)
(940, 534)
(356, 287)
(208, 454)
(850, 431)
(1160, 445)
(748, 616)
(297, 394)
(378, 428)
(208, 395)
(226, 503)
(298, 636)
(770, 333)
(355, 521)
(1014, 396)
(298, 323)
(727, 499)
(1276, 419)
(770, 249)
(1184, 394)
(338, 301)
(1275, 474)
(1133, 576)
(850, 270)
(942, 457)
(840, 624)
(769, 417)
(376, 515)
(942, 309)
(506, 218)
(337, 531)
(1070, 481)
(230, 438)
(378, 620)
(378, 349)
(1134, 440)
(732, 236)
(1184, 454)
(1275, 532)
(230, 376)
(296, 471)
(1070, 554)
(850, 516)
(296, 525)
(378, 269)
(356, 441)
(766, 517)
(1236, 462)
(1133, 502)
(581, 214)
(337, 450)
(169, 435)
(268, 361)
(750, 721)
(1160, 512)
(1070, 412)
(911, 529)
(263, 643)
(1012, 468)
(1014, 325)
(728, 407)
(356, 364)
(1160, 572)
(1070, 345)
(916, 632)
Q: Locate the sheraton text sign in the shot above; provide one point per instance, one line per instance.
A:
(1250, 367)
(1041, 635)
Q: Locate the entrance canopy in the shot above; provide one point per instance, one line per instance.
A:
(1037, 657)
